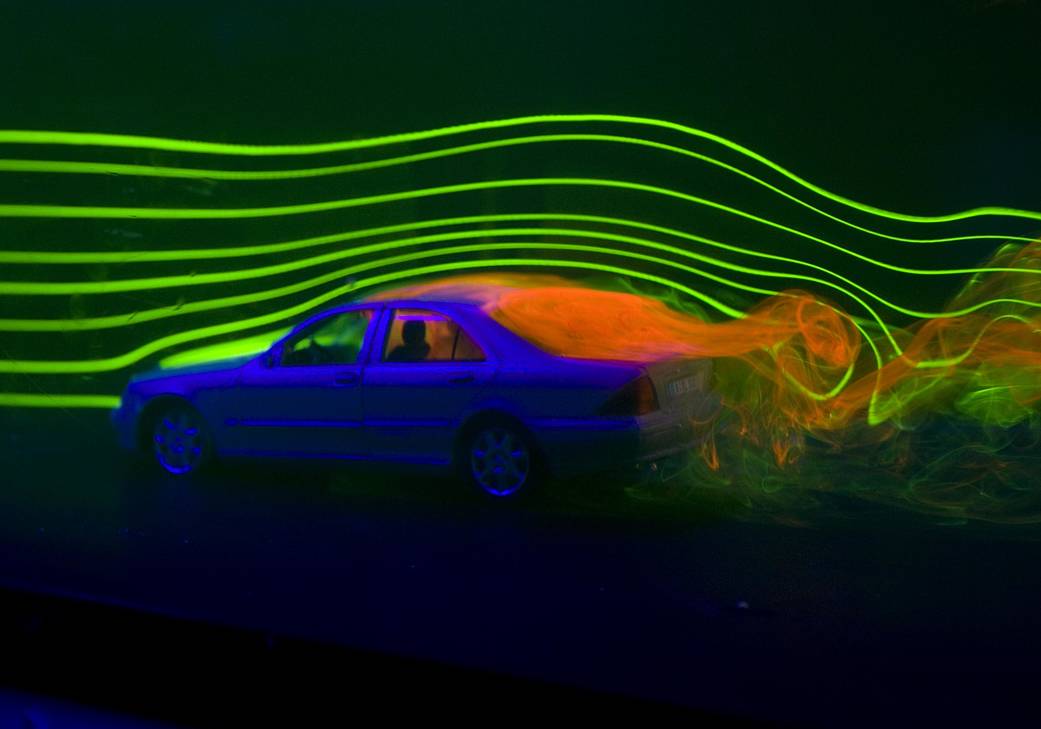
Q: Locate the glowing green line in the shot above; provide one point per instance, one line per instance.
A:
(108, 364)
(607, 251)
(225, 213)
(159, 282)
(191, 307)
(113, 286)
(958, 359)
(874, 418)
(821, 397)
(276, 269)
(30, 287)
(123, 285)
(140, 256)
(40, 367)
(195, 147)
(606, 183)
(224, 350)
(124, 213)
(190, 254)
(121, 361)
(509, 246)
(47, 166)
(27, 400)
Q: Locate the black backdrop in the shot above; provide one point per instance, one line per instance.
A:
(924, 106)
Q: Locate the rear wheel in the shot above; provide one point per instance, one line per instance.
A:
(180, 440)
(499, 460)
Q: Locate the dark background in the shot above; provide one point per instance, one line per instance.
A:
(925, 106)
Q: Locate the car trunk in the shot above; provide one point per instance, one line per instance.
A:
(684, 386)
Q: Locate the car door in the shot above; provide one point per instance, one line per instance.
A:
(424, 374)
(304, 398)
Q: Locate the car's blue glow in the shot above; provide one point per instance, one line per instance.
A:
(417, 411)
(301, 423)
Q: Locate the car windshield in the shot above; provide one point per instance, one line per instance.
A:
(336, 339)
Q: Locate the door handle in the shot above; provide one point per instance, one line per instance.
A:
(461, 379)
(347, 378)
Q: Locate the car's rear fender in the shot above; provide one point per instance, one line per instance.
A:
(561, 388)
(489, 416)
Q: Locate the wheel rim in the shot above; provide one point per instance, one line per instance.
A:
(500, 461)
(179, 441)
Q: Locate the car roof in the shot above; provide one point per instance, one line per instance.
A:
(436, 304)
(504, 343)
(425, 303)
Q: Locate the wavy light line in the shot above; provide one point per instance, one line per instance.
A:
(235, 213)
(124, 285)
(109, 364)
(224, 277)
(33, 400)
(195, 147)
(48, 166)
(112, 363)
(217, 213)
(191, 254)
(781, 374)
(143, 351)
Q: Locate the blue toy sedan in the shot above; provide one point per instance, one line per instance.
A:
(420, 381)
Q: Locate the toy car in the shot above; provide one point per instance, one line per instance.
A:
(419, 381)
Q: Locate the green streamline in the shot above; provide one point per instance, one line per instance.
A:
(95, 168)
(130, 358)
(83, 139)
(146, 213)
(388, 254)
(98, 287)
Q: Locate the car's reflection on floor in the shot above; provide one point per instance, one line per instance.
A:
(578, 586)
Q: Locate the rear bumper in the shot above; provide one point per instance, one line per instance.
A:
(611, 443)
(667, 436)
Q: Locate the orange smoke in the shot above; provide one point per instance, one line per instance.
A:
(794, 364)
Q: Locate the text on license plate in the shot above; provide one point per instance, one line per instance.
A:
(682, 385)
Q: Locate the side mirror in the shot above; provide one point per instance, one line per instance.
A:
(270, 358)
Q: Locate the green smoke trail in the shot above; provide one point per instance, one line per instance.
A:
(112, 286)
(140, 353)
(130, 358)
(139, 213)
(173, 145)
(946, 379)
(26, 400)
(191, 254)
(96, 168)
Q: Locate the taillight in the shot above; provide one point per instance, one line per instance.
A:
(636, 398)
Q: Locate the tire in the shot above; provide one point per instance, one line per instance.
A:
(499, 460)
(179, 440)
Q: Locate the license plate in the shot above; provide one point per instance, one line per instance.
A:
(682, 386)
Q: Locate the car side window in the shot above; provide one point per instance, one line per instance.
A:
(335, 340)
(417, 335)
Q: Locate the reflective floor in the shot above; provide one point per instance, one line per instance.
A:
(696, 604)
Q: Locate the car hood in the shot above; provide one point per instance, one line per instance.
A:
(159, 373)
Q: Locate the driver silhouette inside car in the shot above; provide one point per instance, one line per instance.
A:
(414, 347)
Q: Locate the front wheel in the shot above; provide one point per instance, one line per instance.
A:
(499, 460)
(181, 442)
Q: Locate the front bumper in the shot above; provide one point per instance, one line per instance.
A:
(123, 420)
